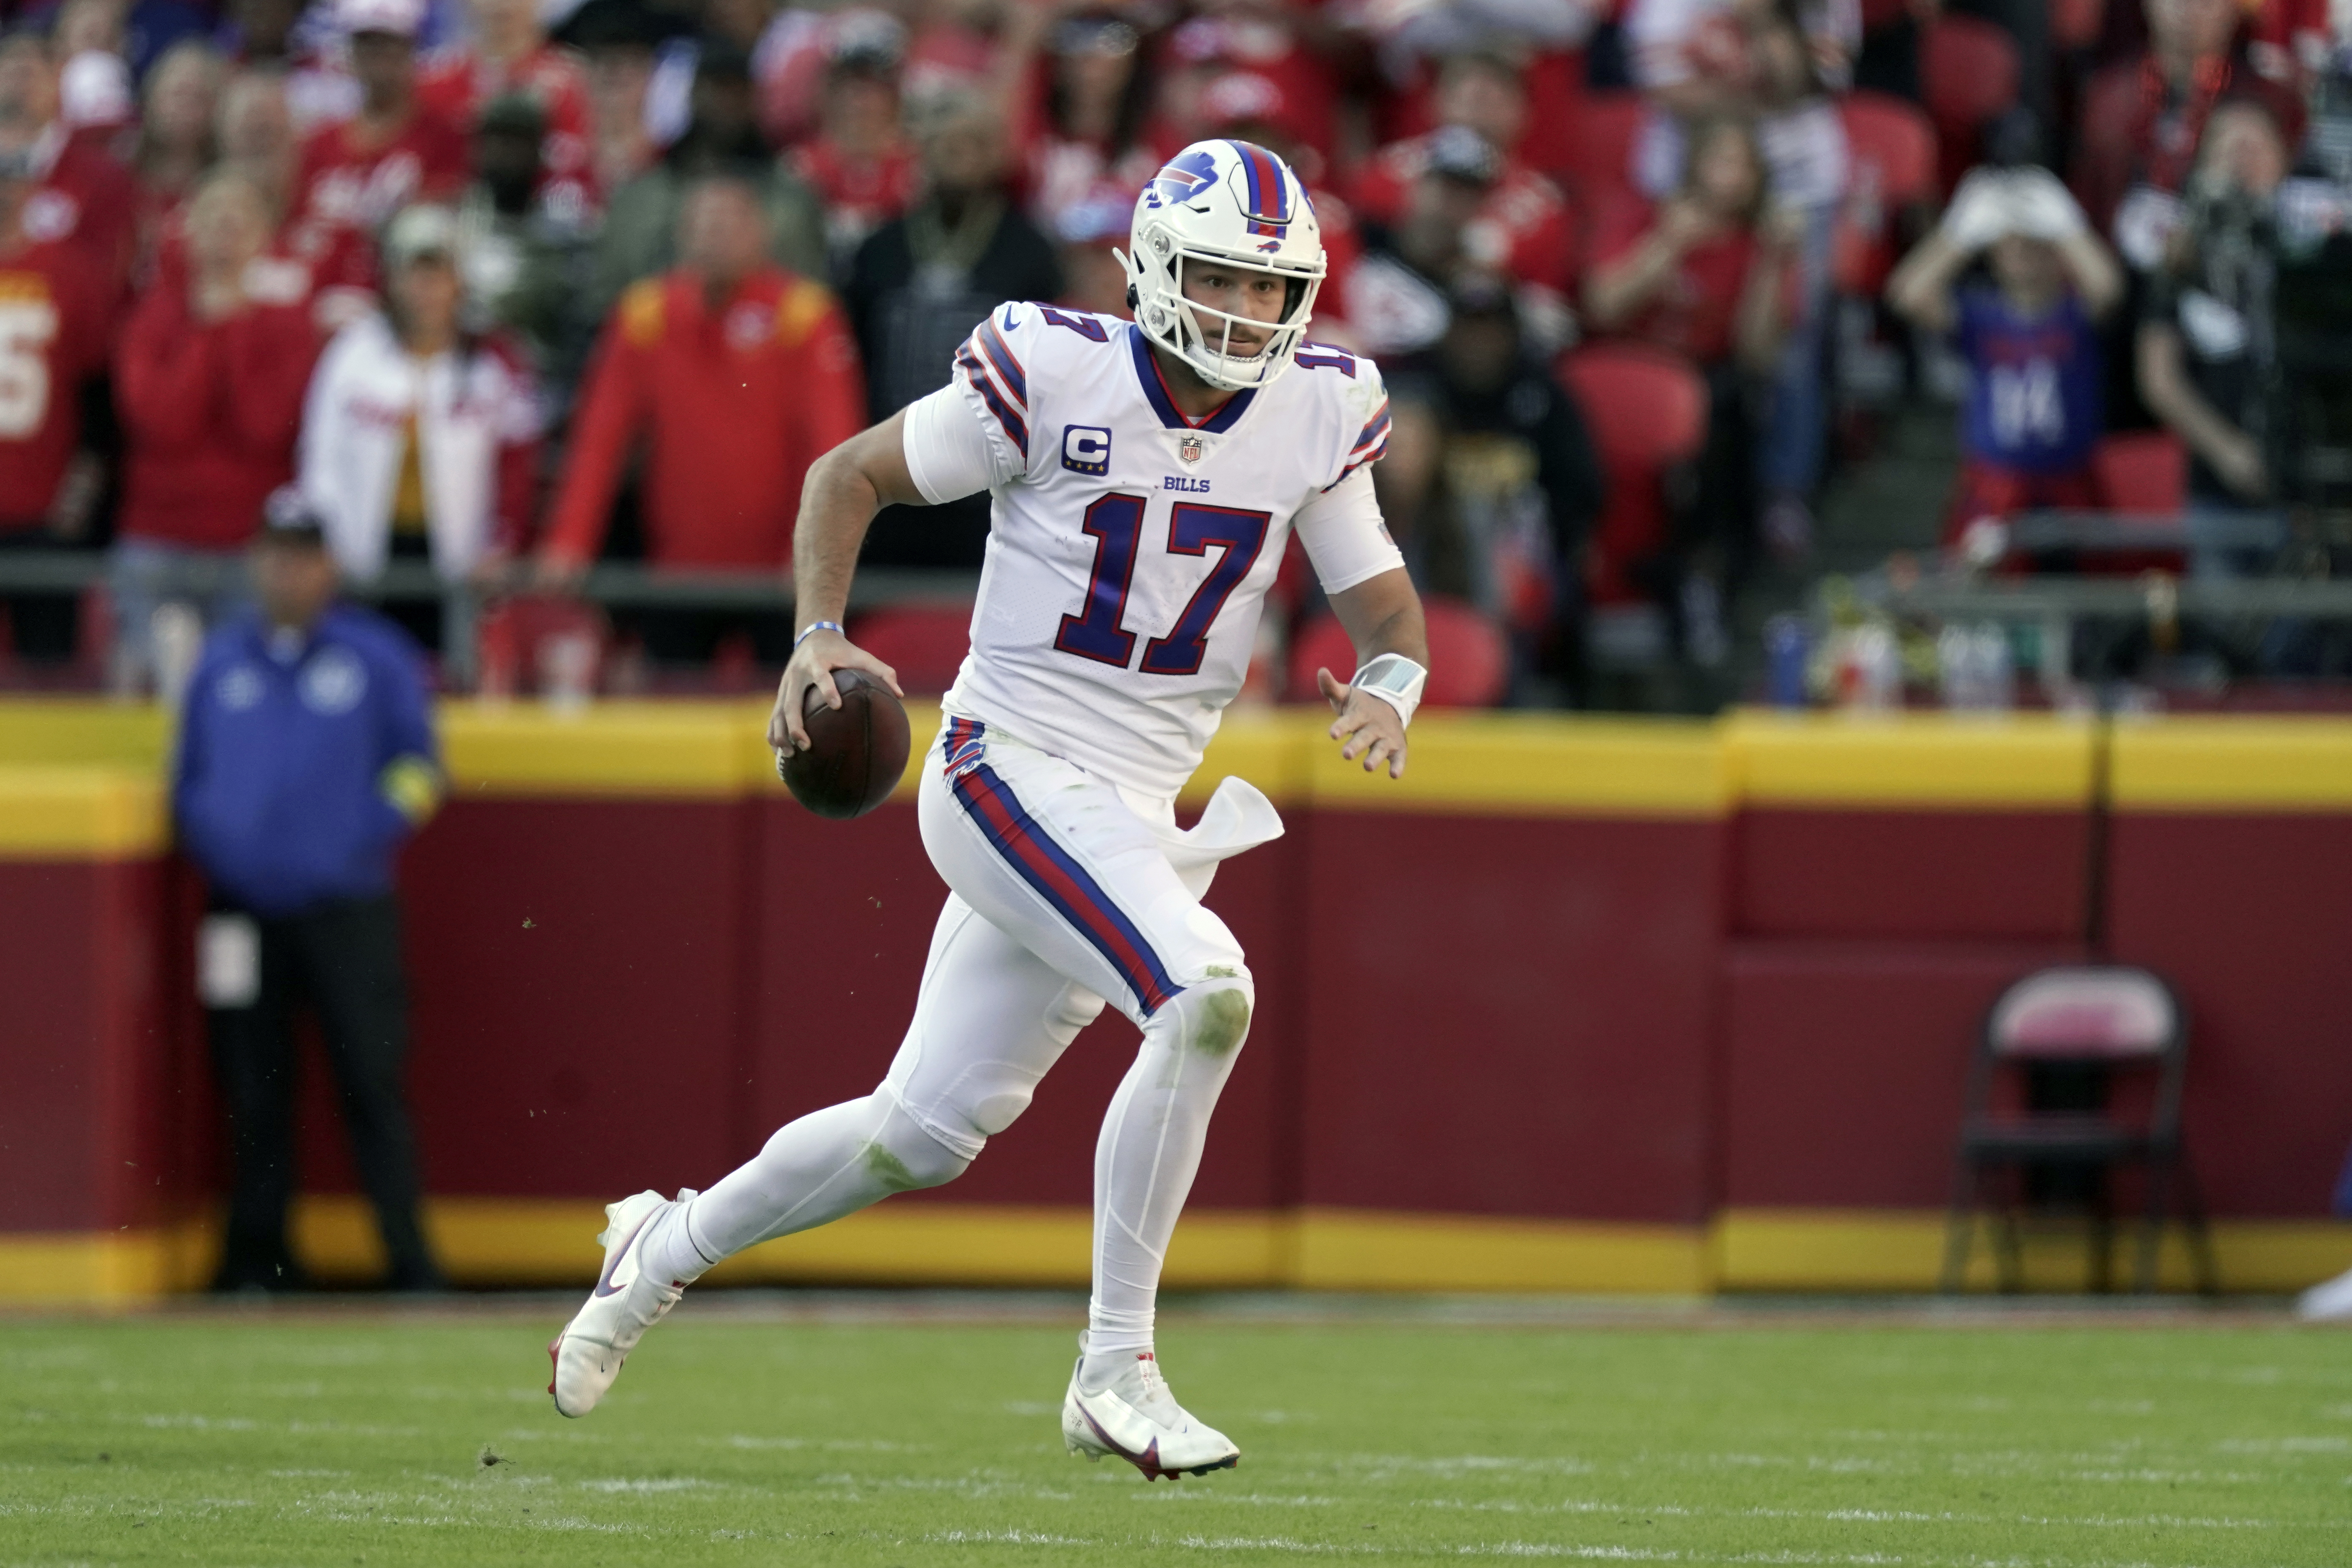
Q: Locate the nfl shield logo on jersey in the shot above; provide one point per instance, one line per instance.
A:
(1188, 449)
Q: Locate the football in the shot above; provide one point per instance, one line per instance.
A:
(857, 752)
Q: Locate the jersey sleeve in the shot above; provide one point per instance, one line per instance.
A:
(1364, 421)
(1344, 535)
(952, 450)
(991, 376)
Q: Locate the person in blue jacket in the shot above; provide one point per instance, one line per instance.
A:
(306, 759)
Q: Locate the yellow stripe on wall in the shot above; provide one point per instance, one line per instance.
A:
(1925, 760)
(1903, 1251)
(2231, 764)
(1531, 763)
(80, 814)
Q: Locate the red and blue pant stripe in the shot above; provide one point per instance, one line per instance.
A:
(1054, 872)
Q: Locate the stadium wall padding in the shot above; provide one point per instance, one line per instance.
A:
(1581, 1004)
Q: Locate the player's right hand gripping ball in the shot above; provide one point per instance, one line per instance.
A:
(857, 752)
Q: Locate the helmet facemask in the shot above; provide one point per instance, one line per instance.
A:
(1156, 293)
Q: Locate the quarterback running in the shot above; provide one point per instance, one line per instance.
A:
(1145, 479)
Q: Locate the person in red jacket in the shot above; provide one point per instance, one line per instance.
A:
(737, 375)
(209, 382)
(84, 195)
(396, 151)
(56, 317)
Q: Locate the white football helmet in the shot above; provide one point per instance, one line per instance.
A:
(1231, 202)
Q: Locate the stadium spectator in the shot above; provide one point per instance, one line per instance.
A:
(919, 287)
(86, 197)
(527, 260)
(1275, 38)
(2143, 120)
(420, 438)
(1092, 278)
(1249, 106)
(176, 143)
(1524, 226)
(2207, 341)
(1706, 274)
(508, 53)
(306, 759)
(329, 267)
(55, 327)
(736, 375)
(1700, 58)
(268, 36)
(617, 40)
(642, 224)
(209, 382)
(859, 163)
(2030, 338)
(94, 81)
(1495, 484)
(1545, 39)
(1395, 303)
(395, 151)
(1083, 121)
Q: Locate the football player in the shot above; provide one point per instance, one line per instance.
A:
(1145, 478)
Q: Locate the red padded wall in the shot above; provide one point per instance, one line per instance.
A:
(1509, 1017)
(2013, 876)
(1844, 1067)
(2250, 918)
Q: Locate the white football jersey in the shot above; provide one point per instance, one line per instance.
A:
(1130, 548)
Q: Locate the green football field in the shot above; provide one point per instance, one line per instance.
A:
(869, 1430)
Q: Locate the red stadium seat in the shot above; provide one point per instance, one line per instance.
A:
(521, 639)
(2076, 23)
(1469, 663)
(1968, 71)
(1647, 411)
(1599, 159)
(1891, 167)
(2142, 471)
(925, 644)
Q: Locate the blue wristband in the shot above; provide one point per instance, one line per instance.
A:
(814, 626)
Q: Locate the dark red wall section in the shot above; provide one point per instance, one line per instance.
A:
(1509, 1017)
(2019, 876)
(2250, 918)
(1844, 1066)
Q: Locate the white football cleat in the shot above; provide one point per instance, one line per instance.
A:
(626, 1301)
(1137, 1420)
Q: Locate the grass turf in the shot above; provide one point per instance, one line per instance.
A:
(318, 1439)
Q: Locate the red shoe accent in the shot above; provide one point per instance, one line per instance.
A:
(554, 1347)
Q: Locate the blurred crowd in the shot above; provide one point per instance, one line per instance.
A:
(510, 286)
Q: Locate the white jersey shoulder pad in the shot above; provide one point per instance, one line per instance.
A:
(1017, 350)
(1351, 406)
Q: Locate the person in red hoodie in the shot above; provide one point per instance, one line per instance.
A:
(396, 151)
(56, 317)
(209, 380)
(737, 375)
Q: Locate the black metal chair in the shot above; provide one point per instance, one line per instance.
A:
(2058, 1048)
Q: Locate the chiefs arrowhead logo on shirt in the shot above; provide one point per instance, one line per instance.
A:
(1189, 447)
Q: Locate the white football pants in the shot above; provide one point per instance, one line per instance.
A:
(1065, 891)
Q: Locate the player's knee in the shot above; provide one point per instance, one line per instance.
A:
(903, 1155)
(1216, 1010)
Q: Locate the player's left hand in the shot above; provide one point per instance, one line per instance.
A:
(1365, 725)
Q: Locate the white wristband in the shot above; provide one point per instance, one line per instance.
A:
(1395, 680)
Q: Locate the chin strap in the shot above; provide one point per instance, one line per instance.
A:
(1395, 680)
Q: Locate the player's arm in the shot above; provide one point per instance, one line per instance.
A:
(844, 489)
(1382, 617)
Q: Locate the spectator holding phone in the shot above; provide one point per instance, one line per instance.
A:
(2028, 335)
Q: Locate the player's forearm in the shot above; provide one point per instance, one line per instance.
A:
(838, 505)
(1384, 615)
(842, 491)
(2097, 277)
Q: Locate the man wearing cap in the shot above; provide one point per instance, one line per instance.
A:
(526, 255)
(859, 163)
(306, 759)
(56, 313)
(396, 151)
(1396, 303)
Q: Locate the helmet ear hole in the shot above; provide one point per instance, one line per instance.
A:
(1134, 297)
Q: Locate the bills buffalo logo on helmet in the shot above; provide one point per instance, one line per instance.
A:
(1184, 177)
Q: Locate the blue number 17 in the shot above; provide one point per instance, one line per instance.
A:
(1116, 524)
